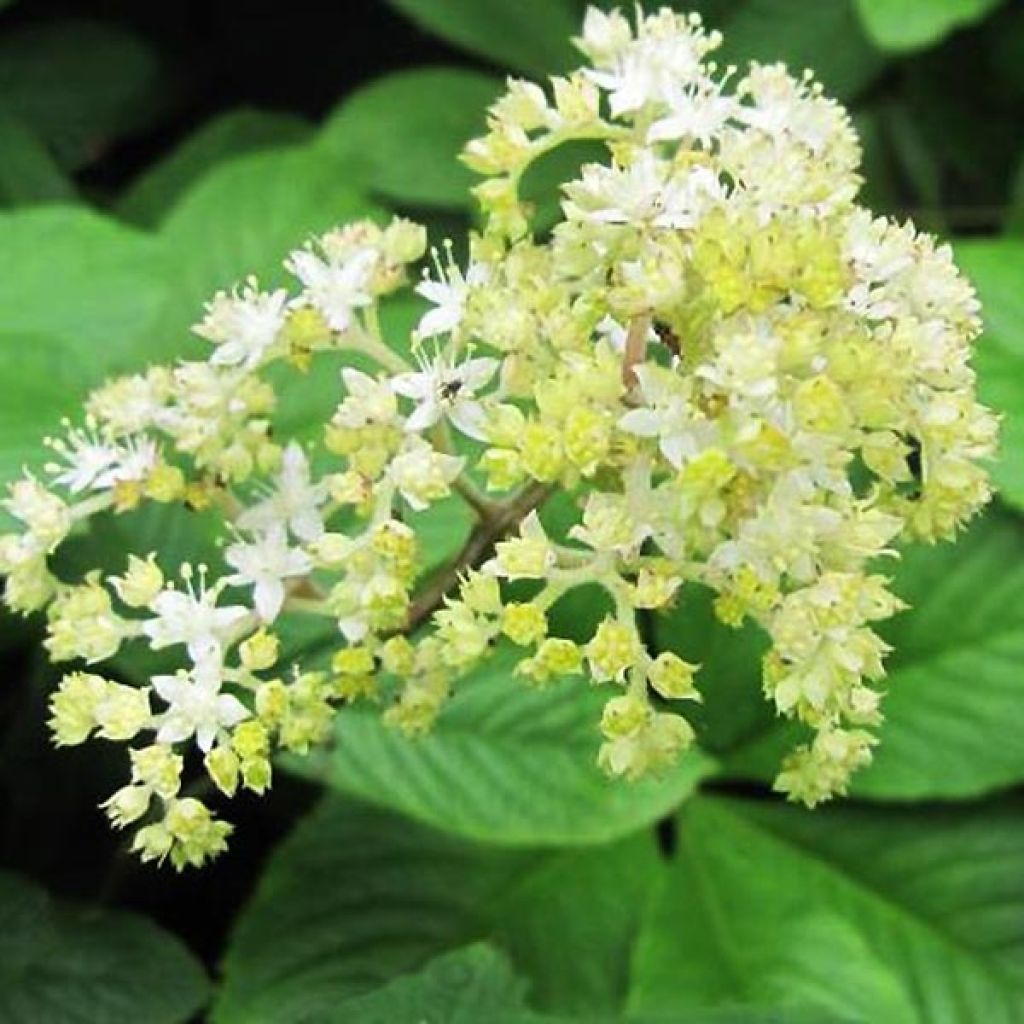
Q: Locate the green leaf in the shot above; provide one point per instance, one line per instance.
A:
(246, 215)
(824, 36)
(78, 295)
(883, 915)
(900, 25)
(402, 134)
(28, 172)
(504, 763)
(357, 897)
(994, 265)
(227, 135)
(77, 83)
(463, 987)
(37, 376)
(68, 964)
(531, 36)
(82, 279)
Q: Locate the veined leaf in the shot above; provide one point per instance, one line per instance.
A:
(358, 897)
(888, 915)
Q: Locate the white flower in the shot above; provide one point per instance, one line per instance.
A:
(668, 415)
(191, 618)
(664, 57)
(90, 461)
(336, 282)
(604, 35)
(449, 295)
(698, 113)
(243, 325)
(196, 705)
(421, 474)
(441, 389)
(370, 402)
(648, 190)
(295, 500)
(264, 564)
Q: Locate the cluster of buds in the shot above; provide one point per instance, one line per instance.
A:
(737, 376)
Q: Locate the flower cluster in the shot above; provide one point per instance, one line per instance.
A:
(738, 376)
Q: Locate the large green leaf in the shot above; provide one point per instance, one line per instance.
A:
(888, 915)
(69, 964)
(531, 36)
(356, 897)
(77, 83)
(402, 134)
(504, 763)
(913, 24)
(231, 134)
(995, 266)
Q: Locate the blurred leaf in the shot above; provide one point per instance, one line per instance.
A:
(880, 191)
(888, 915)
(531, 36)
(824, 36)
(78, 295)
(38, 376)
(69, 964)
(227, 135)
(77, 83)
(400, 136)
(913, 24)
(84, 280)
(356, 897)
(505, 763)
(28, 172)
(995, 266)
(246, 215)
(919, 164)
(1015, 215)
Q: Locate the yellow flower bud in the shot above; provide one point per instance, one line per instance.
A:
(259, 651)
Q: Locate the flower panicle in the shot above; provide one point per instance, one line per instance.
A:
(744, 379)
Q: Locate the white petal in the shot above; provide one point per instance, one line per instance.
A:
(205, 735)
(268, 596)
(643, 422)
(477, 372)
(414, 385)
(426, 414)
(230, 710)
(470, 418)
